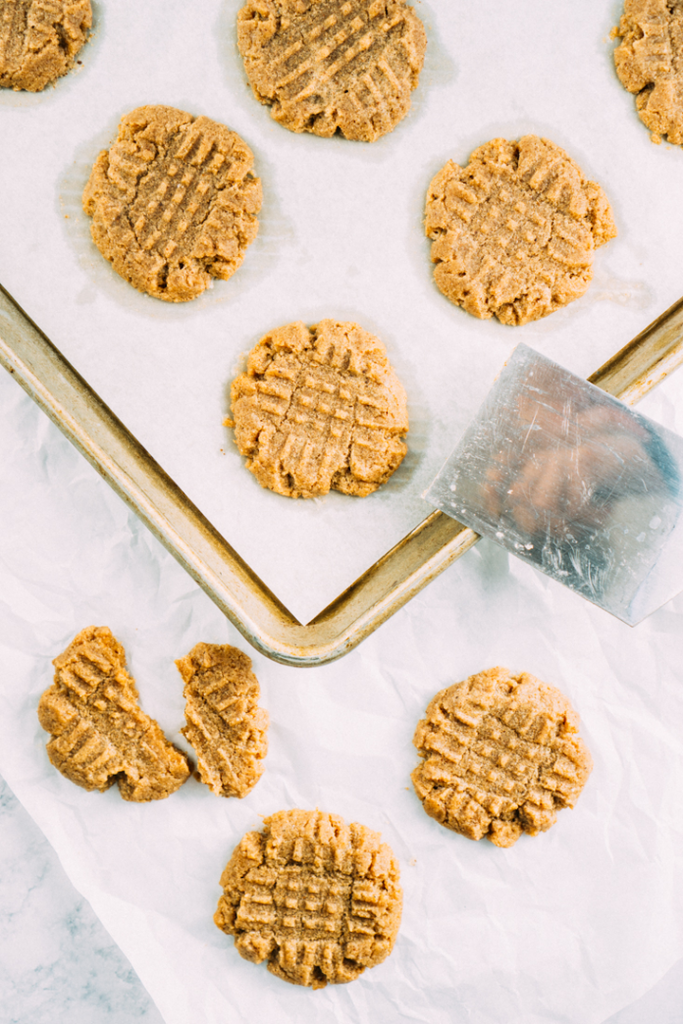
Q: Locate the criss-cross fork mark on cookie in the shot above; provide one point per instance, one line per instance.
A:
(649, 62)
(501, 755)
(39, 40)
(319, 900)
(100, 734)
(514, 231)
(320, 409)
(225, 725)
(174, 202)
(326, 65)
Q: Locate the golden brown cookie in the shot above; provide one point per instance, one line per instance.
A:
(319, 408)
(318, 899)
(333, 65)
(225, 725)
(39, 40)
(100, 735)
(501, 754)
(514, 231)
(173, 202)
(649, 62)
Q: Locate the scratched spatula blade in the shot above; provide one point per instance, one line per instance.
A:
(571, 480)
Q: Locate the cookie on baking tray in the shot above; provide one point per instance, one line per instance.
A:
(501, 754)
(174, 202)
(326, 66)
(649, 63)
(225, 725)
(39, 40)
(316, 898)
(514, 232)
(319, 408)
(100, 735)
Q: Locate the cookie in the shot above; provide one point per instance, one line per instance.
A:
(649, 63)
(173, 202)
(326, 66)
(318, 899)
(319, 408)
(225, 725)
(501, 754)
(39, 40)
(514, 231)
(100, 735)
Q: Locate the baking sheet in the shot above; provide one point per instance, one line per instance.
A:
(568, 926)
(341, 235)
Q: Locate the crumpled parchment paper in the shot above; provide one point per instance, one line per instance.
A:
(569, 925)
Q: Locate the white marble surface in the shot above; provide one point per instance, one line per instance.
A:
(58, 965)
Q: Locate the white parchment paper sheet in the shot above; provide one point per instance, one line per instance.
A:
(568, 926)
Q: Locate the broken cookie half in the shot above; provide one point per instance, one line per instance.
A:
(225, 725)
(99, 733)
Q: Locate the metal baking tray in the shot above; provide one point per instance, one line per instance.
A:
(208, 557)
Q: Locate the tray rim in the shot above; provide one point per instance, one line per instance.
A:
(418, 558)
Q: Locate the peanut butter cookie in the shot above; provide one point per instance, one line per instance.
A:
(39, 40)
(173, 202)
(649, 63)
(514, 231)
(318, 899)
(501, 754)
(333, 65)
(225, 725)
(100, 735)
(319, 408)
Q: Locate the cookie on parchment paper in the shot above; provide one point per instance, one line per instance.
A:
(514, 232)
(40, 39)
(100, 734)
(501, 754)
(326, 66)
(649, 63)
(174, 202)
(319, 409)
(316, 898)
(225, 726)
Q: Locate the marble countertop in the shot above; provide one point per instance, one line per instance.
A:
(58, 965)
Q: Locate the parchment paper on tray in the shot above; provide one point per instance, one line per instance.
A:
(571, 480)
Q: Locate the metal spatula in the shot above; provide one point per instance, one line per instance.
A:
(570, 479)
